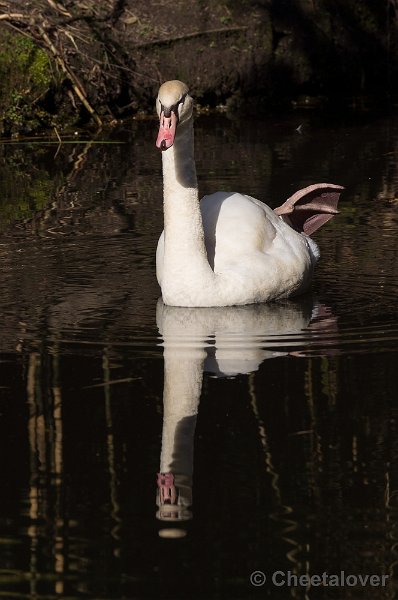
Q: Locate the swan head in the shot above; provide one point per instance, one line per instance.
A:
(174, 106)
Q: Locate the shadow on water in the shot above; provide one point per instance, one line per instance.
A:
(290, 464)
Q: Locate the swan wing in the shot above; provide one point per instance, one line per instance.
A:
(235, 226)
(310, 208)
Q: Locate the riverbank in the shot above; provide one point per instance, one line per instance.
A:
(79, 64)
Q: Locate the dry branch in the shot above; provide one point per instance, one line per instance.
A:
(59, 8)
(189, 36)
(11, 16)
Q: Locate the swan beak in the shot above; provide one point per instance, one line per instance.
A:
(167, 131)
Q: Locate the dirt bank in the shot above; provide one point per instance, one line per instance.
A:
(105, 60)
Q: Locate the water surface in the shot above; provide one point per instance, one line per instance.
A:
(278, 422)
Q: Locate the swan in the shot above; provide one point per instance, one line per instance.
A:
(229, 249)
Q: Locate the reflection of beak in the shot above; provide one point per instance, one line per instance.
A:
(167, 131)
(168, 493)
(172, 505)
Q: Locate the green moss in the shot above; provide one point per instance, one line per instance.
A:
(27, 75)
(33, 61)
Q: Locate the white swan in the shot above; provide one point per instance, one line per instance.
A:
(230, 248)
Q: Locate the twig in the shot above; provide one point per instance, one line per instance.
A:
(59, 8)
(57, 134)
(189, 36)
(11, 16)
(21, 31)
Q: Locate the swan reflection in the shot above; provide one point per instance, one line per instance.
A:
(225, 342)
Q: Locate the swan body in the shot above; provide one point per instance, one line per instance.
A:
(229, 249)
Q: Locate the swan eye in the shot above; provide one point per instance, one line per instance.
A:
(180, 105)
(175, 108)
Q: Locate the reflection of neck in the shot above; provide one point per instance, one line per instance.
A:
(183, 372)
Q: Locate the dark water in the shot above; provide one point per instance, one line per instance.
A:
(289, 461)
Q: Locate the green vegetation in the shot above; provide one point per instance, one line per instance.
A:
(27, 76)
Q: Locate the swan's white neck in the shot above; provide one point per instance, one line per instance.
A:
(185, 258)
